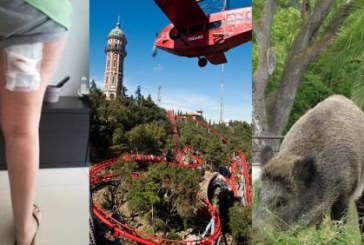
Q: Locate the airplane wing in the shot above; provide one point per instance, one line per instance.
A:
(217, 58)
(182, 13)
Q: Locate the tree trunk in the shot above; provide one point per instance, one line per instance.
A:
(307, 46)
(262, 29)
(153, 218)
(270, 117)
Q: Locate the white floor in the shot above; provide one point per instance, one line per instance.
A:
(63, 197)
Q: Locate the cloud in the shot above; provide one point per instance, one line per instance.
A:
(130, 86)
(99, 84)
(158, 68)
(188, 101)
(243, 112)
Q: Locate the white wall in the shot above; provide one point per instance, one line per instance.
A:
(75, 60)
(255, 171)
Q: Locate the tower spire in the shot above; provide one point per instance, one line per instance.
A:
(114, 68)
(118, 22)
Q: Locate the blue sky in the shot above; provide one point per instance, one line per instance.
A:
(185, 86)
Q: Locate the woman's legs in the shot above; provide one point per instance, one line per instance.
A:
(20, 115)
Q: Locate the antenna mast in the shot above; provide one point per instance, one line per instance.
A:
(159, 95)
(222, 94)
(226, 5)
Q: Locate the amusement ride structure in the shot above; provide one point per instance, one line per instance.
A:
(237, 181)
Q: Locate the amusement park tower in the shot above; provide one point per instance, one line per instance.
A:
(114, 69)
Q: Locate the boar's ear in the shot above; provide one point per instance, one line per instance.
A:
(305, 171)
(266, 154)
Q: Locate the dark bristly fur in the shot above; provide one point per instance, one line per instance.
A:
(320, 167)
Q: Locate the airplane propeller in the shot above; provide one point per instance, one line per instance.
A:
(154, 50)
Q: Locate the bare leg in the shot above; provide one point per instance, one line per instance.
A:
(20, 115)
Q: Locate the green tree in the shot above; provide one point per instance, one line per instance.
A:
(345, 60)
(149, 138)
(312, 28)
(240, 222)
(99, 132)
(136, 197)
(112, 121)
(214, 152)
(124, 92)
(168, 194)
(151, 194)
(138, 94)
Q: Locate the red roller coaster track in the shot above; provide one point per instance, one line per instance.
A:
(121, 230)
(235, 163)
(132, 234)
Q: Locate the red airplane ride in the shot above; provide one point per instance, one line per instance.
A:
(192, 33)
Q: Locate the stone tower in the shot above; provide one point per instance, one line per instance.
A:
(114, 69)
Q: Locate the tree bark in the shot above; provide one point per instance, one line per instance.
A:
(262, 29)
(271, 117)
(307, 46)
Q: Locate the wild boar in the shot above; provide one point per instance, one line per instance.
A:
(320, 167)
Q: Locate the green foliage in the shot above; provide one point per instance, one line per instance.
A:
(138, 94)
(164, 196)
(98, 130)
(348, 48)
(123, 168)
(255, 192)
(240, 223)
(148, 230)
(285, 27)
(117, 125)
(149, 138)
(319, 84)
(179, 188)
(105, 204)
(239, 135)
(358, 93)
(327, 233)
(214, 152)
(137, 195)
(173, 236)
(340, 70)
(171, 190)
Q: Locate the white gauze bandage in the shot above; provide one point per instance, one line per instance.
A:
(23, 67)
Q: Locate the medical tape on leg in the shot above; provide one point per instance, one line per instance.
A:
(23, 67)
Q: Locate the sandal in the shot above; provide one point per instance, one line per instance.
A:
(36, 216)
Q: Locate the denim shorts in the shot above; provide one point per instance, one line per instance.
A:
(21, 23)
